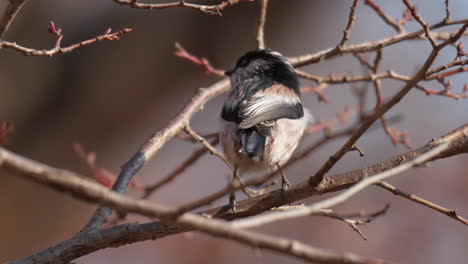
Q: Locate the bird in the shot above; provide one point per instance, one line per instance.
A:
(262, 119)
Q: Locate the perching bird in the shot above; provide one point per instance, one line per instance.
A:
(263, 118)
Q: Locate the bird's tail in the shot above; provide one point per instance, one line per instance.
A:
(253, 144)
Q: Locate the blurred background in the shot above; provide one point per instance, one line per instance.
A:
(111, 96)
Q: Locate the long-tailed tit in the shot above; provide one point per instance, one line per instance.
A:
(263, 118)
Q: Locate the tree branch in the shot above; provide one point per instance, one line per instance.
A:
(11, 10)
(57, 49)
(88, 190)
(342, 197)
(449, 212)
(319, 175)
(261, 24)
(85, 243)
(209, 9)
(307, 59)
(351, 19)
(155, 143)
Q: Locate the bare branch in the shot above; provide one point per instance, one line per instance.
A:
(5, 129)
(155, 143)
(203, 62)
(447, 11)
(57, 49)
(196, 155)
(89, 191)
(328, 203)
(85, 243)
(351, 19)
(398, 28)
(318, 176)
(354, 223)
(449, 212)
(207, 145)
(421, 21)
(367, 46)
(261, 24)
(11, 10)
(209, 9)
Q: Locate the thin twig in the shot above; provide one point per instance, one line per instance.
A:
(194, 157)
(207, 145)
(398, 28)
(368, 46)
(261, 24)
(11, 10)
(342, 197)
(209, 9)
(421, 21)
(6, 128)
(108, 35)
(203, 62)
(395, 136)
(351, 19)
(449, 212)
(155, 143)
(447, 12)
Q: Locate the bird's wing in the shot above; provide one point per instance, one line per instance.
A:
(266, 107)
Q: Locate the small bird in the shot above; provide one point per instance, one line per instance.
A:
(262, 117)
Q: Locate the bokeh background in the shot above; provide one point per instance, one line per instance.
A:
(111, 96)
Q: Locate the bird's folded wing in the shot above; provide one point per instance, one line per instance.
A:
(269, 108)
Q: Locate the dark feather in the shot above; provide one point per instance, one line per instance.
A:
(240, 96)
(253, 143)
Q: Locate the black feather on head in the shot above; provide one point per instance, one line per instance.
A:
(255, 71)
(267, 65)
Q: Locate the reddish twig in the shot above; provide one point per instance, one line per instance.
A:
(101, 175)
(342, 118)
(317, 89)
(361, 93)
(194, 157)
(421, 21)
(363, 60)
(431, 74)
(398, 27)
(203, 62)
(407, 17)
(5, 129)
(449, 73)
(57, 49)
(460, 51)
(395, 136)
